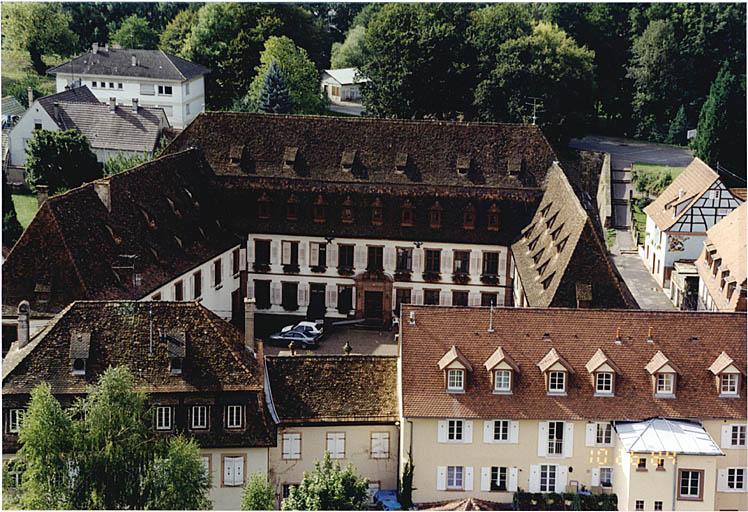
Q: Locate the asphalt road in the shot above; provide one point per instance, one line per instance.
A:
(625, 152)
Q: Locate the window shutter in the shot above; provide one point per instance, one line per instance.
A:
(228, 471)
(389, 259)
(595, 477)
(359, 256)
(238, 470)
(274, 252)
(296, 447)
(726, 436)
(340, 444)
(722, 480)
(330, 444)
(446, 261)
(485, 479)
(511, 484)
(468, 437)
(534, 483)
(469, 478)
(313, 253)
(542, 440)
(302, 254)
(302, 293)
(488, 431)
(250, 250)
(514, 432)
(474, 298)
(331, 299)
(276, 292)
(332, 255)
(417, 296)
(417, 260)
(475, 262)
(445, 298)
(441, 478)
(285, 253)
(442, 431)
(562, 474)
(590, 436)
(286, 446)
(568, 439)
(251, 288)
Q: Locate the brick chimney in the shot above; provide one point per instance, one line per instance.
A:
(249, 324)
(42, 193)
(24, 311)
(112, 104)
(102, 189)
(30, 93)
(135, 105)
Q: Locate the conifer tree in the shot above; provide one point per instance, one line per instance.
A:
(274, 96)
(678, 127)
(713, 135)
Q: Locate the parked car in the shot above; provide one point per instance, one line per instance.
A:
(315, 328)
(304, 339)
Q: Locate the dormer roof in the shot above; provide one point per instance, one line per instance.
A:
(598, 360)
(722, 363)
(80, 344)
(658, 361)
(453, 355)
(176, 343)
(551, 358)
(497, 358)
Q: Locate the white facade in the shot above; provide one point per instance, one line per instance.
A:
(35, 117)
(185, 100)
(229, 470)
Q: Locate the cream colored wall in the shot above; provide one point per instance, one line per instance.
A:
(734, 457)
(357, 452)
(650, 485)
(229, 498)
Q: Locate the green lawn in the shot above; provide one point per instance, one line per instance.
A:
(17, 68)
(26, 207)
(640, 222)
(674, 171)
(610, 237)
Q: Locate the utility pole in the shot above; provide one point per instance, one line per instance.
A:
(537, 108)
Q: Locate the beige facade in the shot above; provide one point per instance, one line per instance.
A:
(230, 469)
(288, 464)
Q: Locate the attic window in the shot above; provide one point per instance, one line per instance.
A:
(455, 379)
(514, 166)
(377, 212)
(289, 157)
(320, 209)
(543, 267)
(176, 349)
(235, 154)
(556, 232)
(175, 365)
(346, 214)
(547, 281)
(463, 165)
(80, 343)
(468, 217)
(79, 366)
(401, 162)
(407, 214)
(493, 218)
(263, 206)
(549, 224)
(348, 160)
(560, 246)
(531, 245)
(536, 257)
(435, 216)
(292, 208)
(545, 209)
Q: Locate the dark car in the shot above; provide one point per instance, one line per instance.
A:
(303, 338)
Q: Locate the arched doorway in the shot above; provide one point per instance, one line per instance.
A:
(374, 297)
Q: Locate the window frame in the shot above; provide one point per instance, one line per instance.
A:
(335, 437)
(217, 272)
(555, 439)
(230, 412)
(602, 376)
(735, 386)
(291, 438)
(604, 434)
(432, 261)
(233, 456)
(455, 372)
(609, 470)
(462, 256)
(197, 284)
(555, 390)
(547, 487)
(15, 418)
(160, 417)
(734, 471)
(496, 380)
(666, 386)
(639, 505)
(455, 431)
(383, 439)
(487, 262)
(499, 473)
(700, 484)
(452, 483)
(735, 433)
(503, 428)
(205, 424)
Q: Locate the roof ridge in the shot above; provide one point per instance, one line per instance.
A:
(594, 311)
(172, 64)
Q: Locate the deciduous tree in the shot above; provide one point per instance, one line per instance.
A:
(259, 494)
(329, 487)
(349, 53)
(177, 32)
(60, 159)
(135, 32)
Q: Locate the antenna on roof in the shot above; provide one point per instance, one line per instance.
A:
(490, 318)
(537, 107)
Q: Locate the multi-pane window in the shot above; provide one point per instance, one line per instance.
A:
(318, 254)
(199, 417)
(501, 430)
(547, 478)
(737, 437)
(604, 433)
(234, 416)
(455, 430)
(736, 478)
(345, 256)
(402, 296)
(336, 445)
(498, 478)
(236, 261)
(217, 272)
(639, 504)
(729, 384)
(163, 90)
(15, 417)
(461, 262)
(433, 260)
(404, 259)
(454, 477)
(291, 446)
(689, 484)
(557, 382)
(197, 284)
(179, 290)
(459, 298)
(502, 380)
(345, 299)
(380, 445)
(665, 383)
(455, 380)
(375, 259)
(604, 383)
(555, 437)
(431, 297)
(262, 252)
(606, 477)
(289, 253)
(658, 505)
(488, 299)
(491, 263)
(163, 418)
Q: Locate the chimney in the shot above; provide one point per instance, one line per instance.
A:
(30, 93)
(101, 187)
(135, 105)
(23, 323)
(42, 193)
(57, 110)
(95, 48)
(112, 104)
(133, 61)
(249, 324)
(618, 340)
(649, 336)
(260, 352)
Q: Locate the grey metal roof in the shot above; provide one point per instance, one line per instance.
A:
(74, 95)
(118, 62)
(12, 107)
(665, 435)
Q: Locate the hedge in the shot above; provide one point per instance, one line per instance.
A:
(566, 501)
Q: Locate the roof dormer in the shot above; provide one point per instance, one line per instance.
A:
(455, 367)
(727, 376)
(503, 370)
(464, 163)
(556, 371)
(290, 155)
(176, 348)
(603, 374)
(348, 160)
(80, 344)
(401, 163)
(664, 375)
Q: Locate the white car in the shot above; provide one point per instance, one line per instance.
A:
(313, 328)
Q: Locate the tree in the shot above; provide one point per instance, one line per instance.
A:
(259, 494)
(12, 229)
(366, 14)
(177, 32)
(38, 28)
(61, 160)
(349, 53)
(329, 487)
(135, 32)
(121, 162)
(405, 496)
(548, 65)
(274, 97)
(295, 69)
(177, 480)
(678, 128)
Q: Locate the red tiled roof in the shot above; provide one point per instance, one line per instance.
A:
(576, 334)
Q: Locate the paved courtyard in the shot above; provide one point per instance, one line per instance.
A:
(362, 341)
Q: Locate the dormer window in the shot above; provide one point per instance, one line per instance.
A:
(455, 368)
(292, 208)
(319, 210)
(729, 384)
(468, 217)
(603, 372)
(664, 375)
(407, 214)
(348, 160)
(377, 212)
(502, 381)
(556, 372)
(604, 383)
(665, 384)
(557, 382)
(176, 348)
(727, 376)
(455, 380)
(346, 214)
(435, 216)
(502, 369)
(175, 365)
(79, 366)
(80, 343)
(463, 165)
(493, 218)
(401, 162)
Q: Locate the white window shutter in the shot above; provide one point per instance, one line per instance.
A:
(331, 299)
(389, 259)
(473, 298)
(313, 253)
(534, 482)
(296, 447)
(238, 470)
(514, 432)
(511, 484)
(726, 436)
(468, 435)
(469, 478)
(488, 431)
(485, 479)
(276, 289)
(595, 477)
(359, 256)
(542, 440)
(442, 431)
(228, 471)
(250, 250)
(251, 288)
(286, 446)
(444, 257)
(445, 298)
(441, 478)
(302, 254)
(417, 260)
(562, 474)
(722, 480)
(332, 255)
(285, 253)
(568, 439)
(590, 434)
(274, 252)
(475, 262)
(418, 296)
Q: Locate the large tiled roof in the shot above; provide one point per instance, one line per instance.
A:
(121, 130)
(561, 248)
(332, 389)
(11, 106)
(726, 240)
(118, 62)
(689, 186)
(73, 95)
(691, 341)
(396, 152)
(165, 213)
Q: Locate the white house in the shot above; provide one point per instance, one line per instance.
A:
(110, 129)
(343, 84)
(678, 219)
(155, 78)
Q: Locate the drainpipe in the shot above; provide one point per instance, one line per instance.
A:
(675, 479)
